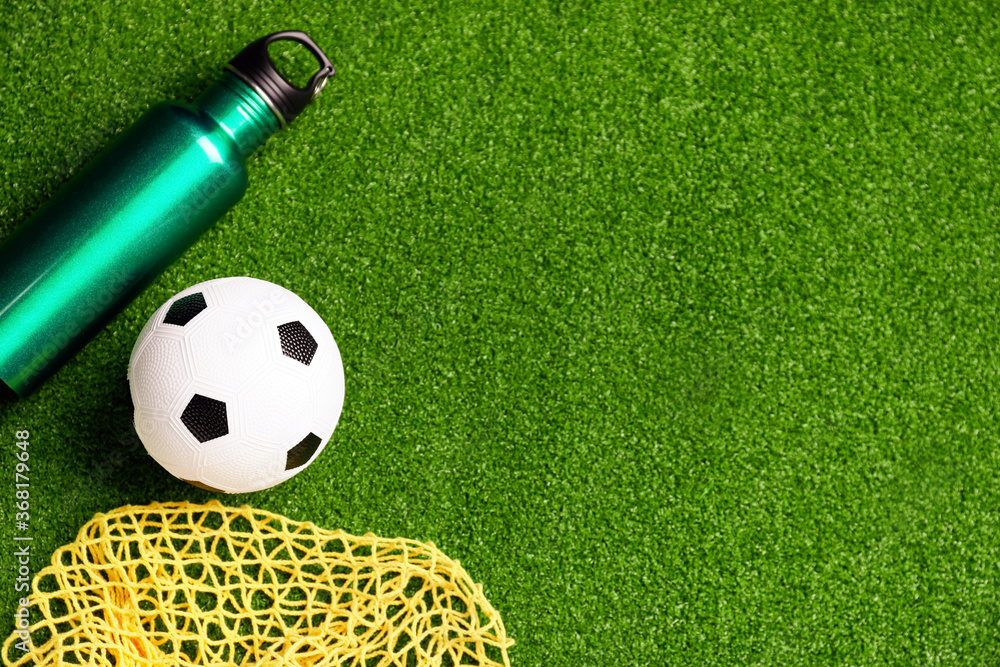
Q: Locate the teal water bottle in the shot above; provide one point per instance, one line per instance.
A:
(112, 229)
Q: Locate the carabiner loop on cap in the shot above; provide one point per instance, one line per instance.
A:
(254, 66)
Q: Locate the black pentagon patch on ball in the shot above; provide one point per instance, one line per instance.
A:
(206, 418)
(300, 454)
(296, 342)
(184, 310)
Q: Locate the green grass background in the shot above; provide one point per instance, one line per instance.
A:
(676, 323)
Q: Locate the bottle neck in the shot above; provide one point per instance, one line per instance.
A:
(240, 111)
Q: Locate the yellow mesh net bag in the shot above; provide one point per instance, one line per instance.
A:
(184, 584)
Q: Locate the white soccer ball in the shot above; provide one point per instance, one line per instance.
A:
(237, 385)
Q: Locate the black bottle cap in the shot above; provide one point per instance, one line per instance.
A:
(254, 66)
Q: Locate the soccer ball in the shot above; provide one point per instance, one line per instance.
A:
(237, 385)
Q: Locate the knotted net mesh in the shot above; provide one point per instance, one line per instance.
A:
(185, 584)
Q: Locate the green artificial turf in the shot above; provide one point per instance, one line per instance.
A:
(676, 324)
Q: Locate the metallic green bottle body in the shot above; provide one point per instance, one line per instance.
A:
(112, 229)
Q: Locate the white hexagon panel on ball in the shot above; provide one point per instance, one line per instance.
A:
(237, 383)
